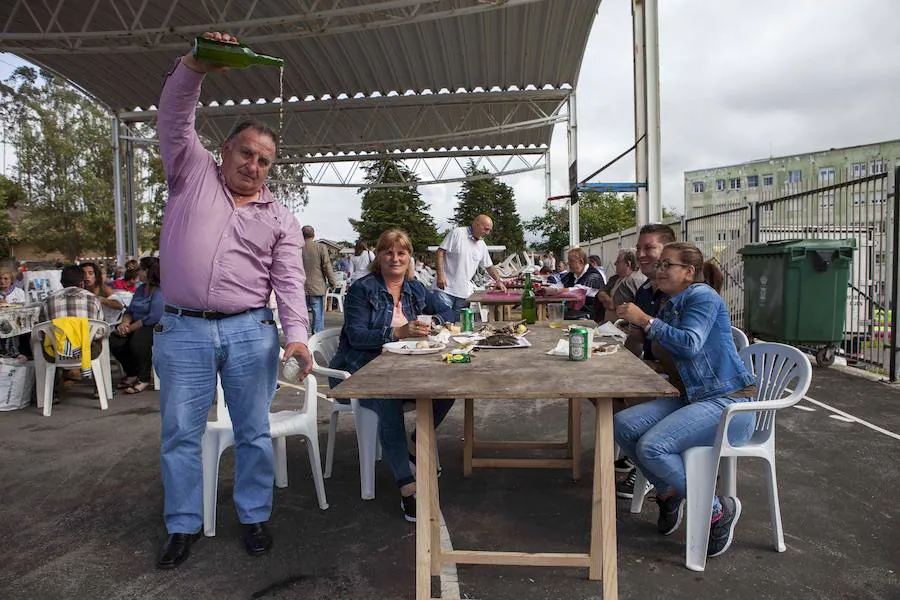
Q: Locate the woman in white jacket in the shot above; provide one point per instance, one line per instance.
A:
(359, 264)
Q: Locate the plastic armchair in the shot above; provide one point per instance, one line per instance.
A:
(740, 339)
(219, 435)
(336, 293)
(783, 378)
(323, 346)
(45, 372)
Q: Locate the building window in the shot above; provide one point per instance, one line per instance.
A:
(795, 176)
(858, 198)
(752, 181)
(877, 167)
(826, 175)
(735, 234)
(698, 187)
(720, 185)
(768, 180)
(721, 235)
(878, 197)
(698, 237)
(859, 170)
(734, 183)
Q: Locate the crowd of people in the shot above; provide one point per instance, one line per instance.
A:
(199, 314)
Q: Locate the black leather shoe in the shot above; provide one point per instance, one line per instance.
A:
(176, 550)
(257, 539)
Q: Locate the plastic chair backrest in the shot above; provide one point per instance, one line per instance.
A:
(98, 330)
(740, 339)
(783, 378)
(323, 346)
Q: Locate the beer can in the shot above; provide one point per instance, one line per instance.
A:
(467, 319)
(578, 343)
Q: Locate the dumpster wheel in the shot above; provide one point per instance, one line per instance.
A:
(825, 356)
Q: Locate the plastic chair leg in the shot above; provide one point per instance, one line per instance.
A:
(637, 501)
(367, 440)
(49, 377)
(279, 445)
(728, 475)
(329, 446)
(774, 506)
(315, 464)
(701, 466)
(100, 382)
(212, 452)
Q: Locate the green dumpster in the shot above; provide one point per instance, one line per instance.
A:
(795, 291)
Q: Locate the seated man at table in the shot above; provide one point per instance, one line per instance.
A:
(620, 288)
(379, 308)
(580, 276)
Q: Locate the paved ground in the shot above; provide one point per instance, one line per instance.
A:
(82, 503)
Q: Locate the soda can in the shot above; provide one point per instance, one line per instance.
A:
(467, 320)
(578, 343)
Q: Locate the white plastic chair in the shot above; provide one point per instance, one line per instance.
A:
(336, 293)
(323, 346)
(740, 339)
(219, 435)
(779, 369)
(45, 372)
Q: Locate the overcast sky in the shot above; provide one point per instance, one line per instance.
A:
(739, 81)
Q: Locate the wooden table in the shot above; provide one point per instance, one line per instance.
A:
(501, 304)
(514, 375)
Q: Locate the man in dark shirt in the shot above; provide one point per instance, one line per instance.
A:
(648, 298)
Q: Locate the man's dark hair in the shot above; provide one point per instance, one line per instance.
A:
(71, 276)
(308, 232)
(664, 233)
(257, 126)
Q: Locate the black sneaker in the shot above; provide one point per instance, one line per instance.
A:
(624, 465)
(625, 488)
(408, 505)
(670, 513)
(721, 531)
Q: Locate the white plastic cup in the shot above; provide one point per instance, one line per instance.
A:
(424, 319)
(291, 370)
(485, 313)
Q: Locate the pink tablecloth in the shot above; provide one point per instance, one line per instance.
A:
(574, 298)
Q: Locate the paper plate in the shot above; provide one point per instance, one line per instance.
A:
(409, 347)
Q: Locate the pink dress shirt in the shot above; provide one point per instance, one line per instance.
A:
(214, 255)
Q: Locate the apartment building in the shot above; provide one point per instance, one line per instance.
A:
(719, 188)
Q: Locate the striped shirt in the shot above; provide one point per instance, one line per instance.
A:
(71, 302)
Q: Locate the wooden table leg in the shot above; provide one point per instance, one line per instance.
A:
(575, 440)
(541, 312)
(435, 519)
(424, 491)
(469, 435)
(603, 564)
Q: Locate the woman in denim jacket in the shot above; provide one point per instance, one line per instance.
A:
(694, 329)
(380, 308)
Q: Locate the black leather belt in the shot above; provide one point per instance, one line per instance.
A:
(213, 315)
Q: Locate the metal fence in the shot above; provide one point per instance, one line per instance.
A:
(863, 209)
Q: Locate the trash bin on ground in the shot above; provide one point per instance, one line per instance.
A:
(795, 292)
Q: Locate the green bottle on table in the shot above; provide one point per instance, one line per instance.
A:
(529, 309)
(235, 56)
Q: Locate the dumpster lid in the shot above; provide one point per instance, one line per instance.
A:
(784, 246)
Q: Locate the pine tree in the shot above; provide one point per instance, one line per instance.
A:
(483, 193)
(388, 207)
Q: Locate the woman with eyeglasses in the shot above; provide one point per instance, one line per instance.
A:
(693, 329)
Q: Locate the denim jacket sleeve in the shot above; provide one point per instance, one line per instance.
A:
(694, 314)
(358, 312)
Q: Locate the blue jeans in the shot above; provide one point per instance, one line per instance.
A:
(392, 432)
(443, 301)
(317, 305)
(655, 433)
(188, 353)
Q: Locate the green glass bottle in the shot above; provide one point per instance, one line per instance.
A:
(235, 56)
(529, 310)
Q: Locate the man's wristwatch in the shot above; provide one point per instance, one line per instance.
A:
(649, 325)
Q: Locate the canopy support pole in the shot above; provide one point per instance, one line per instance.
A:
(572, 131)
(117, 192)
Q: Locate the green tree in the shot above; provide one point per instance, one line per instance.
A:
(599, 213)
(64, 163)
(11, 195)
(484, 193)
(399, 206)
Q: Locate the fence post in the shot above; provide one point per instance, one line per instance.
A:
(753, 206)
(894, 272)
(684, 231)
